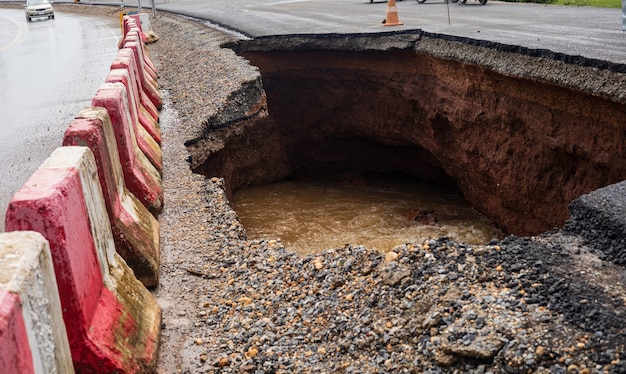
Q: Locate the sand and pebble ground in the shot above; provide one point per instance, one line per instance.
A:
(546, 304)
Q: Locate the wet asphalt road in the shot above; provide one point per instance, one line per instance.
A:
(586, 31)
(49, 71)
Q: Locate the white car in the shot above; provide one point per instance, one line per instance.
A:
(38, 8)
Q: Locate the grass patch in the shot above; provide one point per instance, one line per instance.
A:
(595, 3)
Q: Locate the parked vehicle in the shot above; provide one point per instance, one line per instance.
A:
(482, 2)
(38, 9)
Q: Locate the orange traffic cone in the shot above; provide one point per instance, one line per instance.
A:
(392, 14)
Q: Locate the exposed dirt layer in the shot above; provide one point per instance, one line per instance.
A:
(519, 148)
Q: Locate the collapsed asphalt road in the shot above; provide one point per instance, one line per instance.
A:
(551, 303)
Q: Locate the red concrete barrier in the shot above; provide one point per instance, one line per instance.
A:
(142, 179)
(143, 22)
(132, 25)
(134, 33)
(112, 321)
(149, 67)
(126, 76)
(145, 141)
(135, 230)
(149, 73)
(15, 356)
(125, 59)
(136, 19)
(32, 332)
(146, 70)
(148, 82)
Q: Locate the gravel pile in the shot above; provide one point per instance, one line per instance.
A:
(545, 304)
(438, 306)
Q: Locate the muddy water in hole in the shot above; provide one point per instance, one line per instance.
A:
(311, 216)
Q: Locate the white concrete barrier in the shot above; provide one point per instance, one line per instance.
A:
(32, 332)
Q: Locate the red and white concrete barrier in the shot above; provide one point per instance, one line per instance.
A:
(148, 80)
(125, 59)
(149, 68)
(147, 74)
(16, 355)
(131, 25)
(142, 178)
(145, 141)
(135, 230)
(112, 321)
(126, 74)
(32, 332)
(143, 22)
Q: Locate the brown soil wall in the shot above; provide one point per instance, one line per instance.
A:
(520, 148)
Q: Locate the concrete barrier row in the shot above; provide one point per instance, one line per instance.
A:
(135, 229)
(82, 240)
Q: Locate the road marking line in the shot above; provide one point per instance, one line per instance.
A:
(20, 31)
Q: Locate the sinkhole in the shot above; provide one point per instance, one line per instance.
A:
(516, 134)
